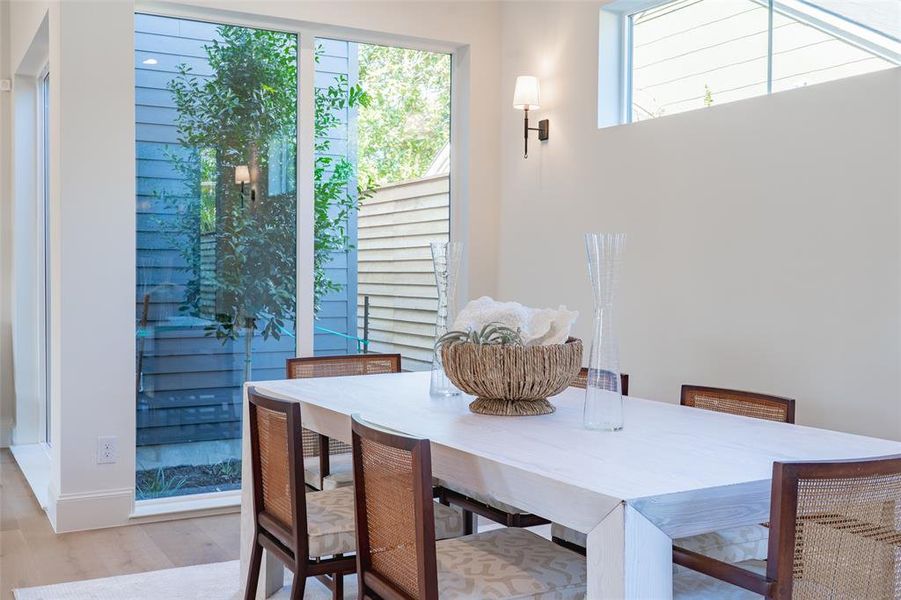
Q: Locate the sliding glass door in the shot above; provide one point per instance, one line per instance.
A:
(382, 194)
(217, 214)
(216, 124)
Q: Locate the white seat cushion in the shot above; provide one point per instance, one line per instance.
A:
(483, 498)
(508, 563)
(330, 522)
(691, 585)
(341, 472)
(733, 545)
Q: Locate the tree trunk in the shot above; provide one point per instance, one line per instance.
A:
(249, 327)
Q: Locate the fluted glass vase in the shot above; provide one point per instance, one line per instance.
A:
(446, 259)
(603, 392)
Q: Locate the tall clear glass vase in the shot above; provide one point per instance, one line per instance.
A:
(446, 259)
(603, 392)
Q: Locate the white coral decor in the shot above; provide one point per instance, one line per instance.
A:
(539, 326)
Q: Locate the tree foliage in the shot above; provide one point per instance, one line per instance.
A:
(408, 119)
(336, 188)
(244, 113)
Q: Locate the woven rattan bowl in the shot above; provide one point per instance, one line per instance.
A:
(512, 380)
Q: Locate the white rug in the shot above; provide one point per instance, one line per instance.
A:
(217, 581)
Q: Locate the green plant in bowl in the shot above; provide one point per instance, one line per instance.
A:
(492, 334)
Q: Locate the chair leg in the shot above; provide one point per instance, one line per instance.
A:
(469, 521)
(298, 585)
(338, 587)
(253, 573)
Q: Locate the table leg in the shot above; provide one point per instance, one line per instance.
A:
(272, 571)
(628, 557)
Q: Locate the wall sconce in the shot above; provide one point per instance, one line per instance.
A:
(526, 96)
(242, 176)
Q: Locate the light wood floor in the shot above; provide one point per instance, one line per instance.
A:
(31, 554)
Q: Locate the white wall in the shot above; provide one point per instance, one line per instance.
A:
(7, 400)
(763, 248)
(93, 210)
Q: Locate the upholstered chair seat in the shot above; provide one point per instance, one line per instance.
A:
(508, 563)
(691, 585)
(327, 464)
(341, 472)
(330, 522)
(733, 545)
(398, 557)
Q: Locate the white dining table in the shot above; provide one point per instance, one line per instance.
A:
(672, 471)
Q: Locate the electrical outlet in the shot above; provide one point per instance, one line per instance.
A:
(107, 450)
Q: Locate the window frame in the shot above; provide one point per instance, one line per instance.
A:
(42, 240)
(809, 14)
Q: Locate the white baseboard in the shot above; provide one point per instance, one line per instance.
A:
(91, 510)
(188, 506)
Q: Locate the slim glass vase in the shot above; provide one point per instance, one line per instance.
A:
(603, 392)
(446, 259)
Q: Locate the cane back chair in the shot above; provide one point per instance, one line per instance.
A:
(747, 404)
(398, 558)
(310, 533)
(835, 533)
(328, 461)
(581, 381)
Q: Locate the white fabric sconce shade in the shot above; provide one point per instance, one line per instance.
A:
(526, 94)
(242, 174)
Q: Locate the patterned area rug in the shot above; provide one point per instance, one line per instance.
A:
(217, 581)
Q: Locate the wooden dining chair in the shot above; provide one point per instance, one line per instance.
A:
(310, 533)
(581, 381)
(748, 404)
(835, 533)
(328, 461)
(398, 558)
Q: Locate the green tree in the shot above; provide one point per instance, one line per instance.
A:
(408, 119)
(245, 114)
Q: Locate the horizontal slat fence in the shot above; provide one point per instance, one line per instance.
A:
(395, 269)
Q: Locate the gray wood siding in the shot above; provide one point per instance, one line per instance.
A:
(339, 310)
(395, 266)
(190, 383)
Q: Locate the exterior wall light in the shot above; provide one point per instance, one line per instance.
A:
(527, 96)
(242, 176)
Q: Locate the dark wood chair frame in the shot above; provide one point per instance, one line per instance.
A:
(291, 546)
(372, 586)
(472, 506)
(778, 581)
(751, 397)
(623, 380)
(324, 443)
